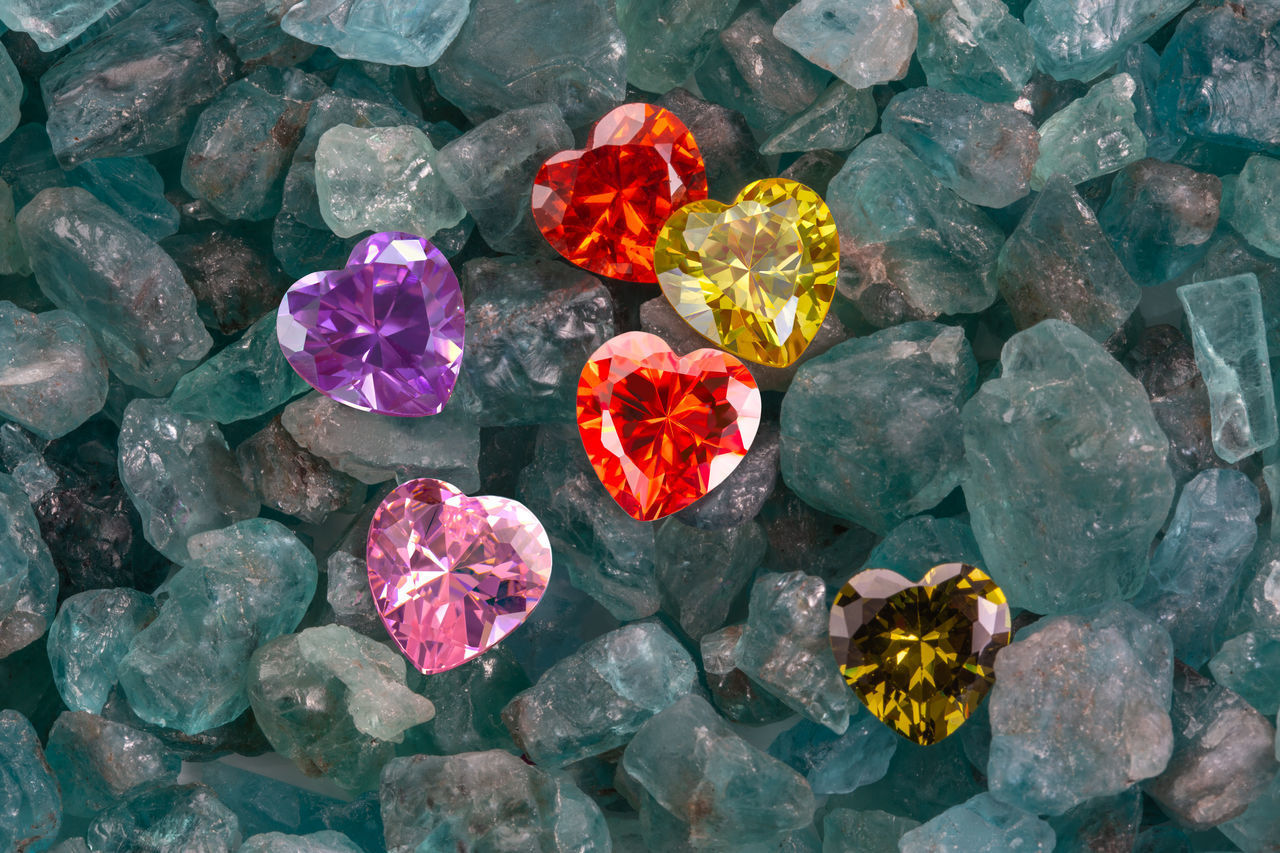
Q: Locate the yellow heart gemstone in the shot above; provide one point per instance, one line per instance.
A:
(756, 276)
(920, 655)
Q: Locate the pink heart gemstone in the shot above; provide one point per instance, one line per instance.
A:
(452, 575)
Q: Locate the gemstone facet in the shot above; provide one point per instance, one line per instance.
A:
(452, 575)
(601, 207)
(662, 430)
(384, 334)
(920, 655)
(757, 276)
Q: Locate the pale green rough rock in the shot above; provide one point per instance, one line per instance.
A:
(98, 761)
(1142, 63)
(1058, 264)
(910, 248)
(31, 809)
(12, 257)
(786, 648)
(735, 695)
(980, 825)
(243, 380)
(668, 39)
(10, 94)
(180, 475)
(253, 28)
(334, 702)
(1258, 604)
(1080, 39)
(88, 639)
(1101, 823)
(243, 586)
(595, 699)
(918, 544)
(1249, 664)
(1229, 336)
(52, 375)
(1080, 709)
(863, 42)
(922, 781)
(403, 32)
(375, 448)
(710, 788)
(850, 831)
(1256, 830)
(382, 179)
(855, 446)
(975, 47)
(51, 23)
(469, 700)
(837, 764)
(1067, 477)
(325, 841)
(836, 121)
(90, 261)
(132, 187)
(1252, 206)
(172, 819)
(430, 805)
(1092, 136)
(698, 599)
(28, 580)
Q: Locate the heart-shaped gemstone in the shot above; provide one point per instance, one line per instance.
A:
(383, 334)
(452, 575)
(602, 206)
(756, 276)
(920, 655)
(662, 430)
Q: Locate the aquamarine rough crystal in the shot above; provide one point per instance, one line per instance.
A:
(1067, 479)
(1092, 136)
(872, 831)
(28, 580)
(837, 764)
(88, 639)
(132, 187)
(469, 700)
(325, 841)
(52, 23)
(1229, 336)
(52, 375)
(1080, 39)
(98, 761)
(862, 42)
(253, 28)
(1250, 206)
(168, 819)
(699, 600)
(1249, 664)
(735, 695)
(980, 825)
(12, 257)
(31, 808)
(412, 33)
(837, 120)
(975, 47)
(918, 544)
(668, 39)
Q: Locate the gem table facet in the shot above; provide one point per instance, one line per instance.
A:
(453, 575)
(662, 430)
(385, 333)
(601, 207)
(757, 276)
(920, 655)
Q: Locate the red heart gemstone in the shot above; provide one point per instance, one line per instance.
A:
(602, 207)
(662, 430)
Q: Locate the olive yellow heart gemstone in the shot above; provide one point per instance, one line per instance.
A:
(920, 655)
(755, 276)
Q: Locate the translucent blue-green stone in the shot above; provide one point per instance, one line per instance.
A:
(1229, 336)
(169, 819)
(469, 700)
(1258, 827)
(28, 580)
(1091, 136)
(138, 88)
(55, 377)
(699, 600)
(975, 47)
(253, 28)
(132, 187)
(1100, 823)
(863, 42)
(1249, 206)
(1249, 664)
(837, 764)
(52, 23)
(1080, 40)
(1142, 63)
(838, 120)
(325, 841)
(850, 831)
(19, 452)
(30, 806)
(877, 457)
(980, 825)
(1067, 477)
(668, 39)
(735, 695)
(98, 762)
(595, 699)
(12, 257)
(918, 544)
(1258, 602)
(921, 783)
(242, 586)
(88, 639)
(10, 95)
(405, 33)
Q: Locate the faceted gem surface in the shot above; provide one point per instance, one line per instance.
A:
(385, 333)
(602, 206)
(757, 276)
(920, 655)
(452, 575)
(662, 430)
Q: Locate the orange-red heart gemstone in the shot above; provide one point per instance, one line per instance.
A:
(662, 430)
(602, 206)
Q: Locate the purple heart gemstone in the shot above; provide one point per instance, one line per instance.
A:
(384, 334)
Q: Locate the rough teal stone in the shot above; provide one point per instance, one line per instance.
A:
(375, 448)
(469, 700)
(863, 43)
(334, 702)
(253, 28)
(1092, 136)
(30, 806)
(595, 699)
(490, 169)
(52, 375)
(921, 783)
(171, 819)
(408, 33)
(878, 456)
(1249, 664)
(1067, 479)
(243, 585)
(1160, 218)
(10, 95)
(1100, 823)
(138, 88)
(699, 600)
(12, 257)
(1223, 754)
(288, 478)
(1250, 206)
(25, 461)
(1200, 560)
(974, 48)
(88, 639)
(984, 152)
(98, 762)
(980, 825)
(837, 120)
(1258, 603)
(180, 475)
(735, 695)
(911, 248)
(918, 544)
(1142, 63)
(243, 380)
(325, 841)
(786, 648)
(243, 142)
(507, 57)
(52, 23)
(132, 187)
(28, 580)
(849, 831)
(1230, 254)
(1080, 709)
(717, 791)
(1259, 826)
(668, 39)
(430, 805)
(837, 764)
(1229, 336)
(1080, 40)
